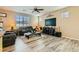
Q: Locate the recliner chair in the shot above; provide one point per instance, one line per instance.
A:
(8, 39)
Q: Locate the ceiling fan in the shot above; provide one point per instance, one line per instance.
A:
(37, 10)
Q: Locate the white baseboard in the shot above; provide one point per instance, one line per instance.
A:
(70, 38)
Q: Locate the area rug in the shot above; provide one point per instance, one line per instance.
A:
(35, 38)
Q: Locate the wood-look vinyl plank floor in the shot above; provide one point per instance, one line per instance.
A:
(45, 43)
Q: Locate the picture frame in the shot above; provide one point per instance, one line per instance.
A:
(3, 14)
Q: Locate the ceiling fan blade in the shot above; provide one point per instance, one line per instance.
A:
(40, 9)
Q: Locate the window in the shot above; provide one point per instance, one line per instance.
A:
(22, 21)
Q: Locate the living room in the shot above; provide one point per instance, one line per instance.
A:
(53, 28)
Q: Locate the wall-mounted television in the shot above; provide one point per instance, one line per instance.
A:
(50, 22)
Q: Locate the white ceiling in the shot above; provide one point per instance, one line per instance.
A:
(27, 9)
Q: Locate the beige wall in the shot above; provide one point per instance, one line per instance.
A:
(10, 21)
(34, 21)
(69, 26)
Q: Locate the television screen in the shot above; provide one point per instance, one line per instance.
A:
(50, 22)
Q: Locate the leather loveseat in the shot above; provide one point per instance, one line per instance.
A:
(48, 30)
(23, 30)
